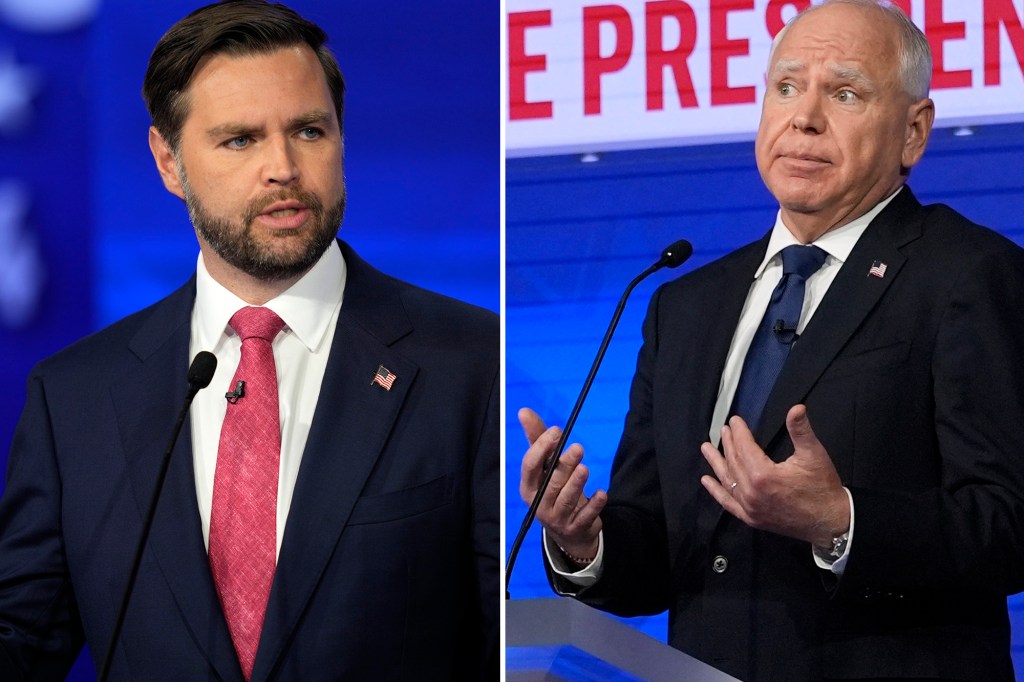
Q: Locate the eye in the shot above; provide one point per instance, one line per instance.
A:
(786, 89)
(311, 133)
(240, 142)
(847, 96)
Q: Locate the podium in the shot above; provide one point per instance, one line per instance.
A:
(561, 639)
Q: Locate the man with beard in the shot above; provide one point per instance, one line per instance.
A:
(331, 509)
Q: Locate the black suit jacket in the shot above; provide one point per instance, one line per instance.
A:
(914, 382)
(389, 564)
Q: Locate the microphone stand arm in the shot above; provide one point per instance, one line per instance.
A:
(552, 462)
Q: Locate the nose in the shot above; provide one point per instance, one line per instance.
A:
(809, 114)
(279, 166)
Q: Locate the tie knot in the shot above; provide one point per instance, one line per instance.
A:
(262, 323)
(802, 260)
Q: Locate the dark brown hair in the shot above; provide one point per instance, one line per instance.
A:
(234, 27)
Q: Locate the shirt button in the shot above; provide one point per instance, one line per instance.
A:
(719, 564)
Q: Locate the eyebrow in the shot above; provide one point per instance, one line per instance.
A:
(844, 73)
(235, 129)
(852, 75)
(783, 66)
(316, 117)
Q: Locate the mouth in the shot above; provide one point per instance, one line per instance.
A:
(288, 214)
(802, 163)
(802, 156)
(283, 209)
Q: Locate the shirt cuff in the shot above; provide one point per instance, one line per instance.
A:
(837, 564)
(584, 577)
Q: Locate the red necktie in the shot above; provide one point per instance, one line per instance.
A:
(243, 521)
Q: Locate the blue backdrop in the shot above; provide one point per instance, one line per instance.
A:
(576, 233)
(87, 232)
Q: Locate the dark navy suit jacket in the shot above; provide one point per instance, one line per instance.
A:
(914, 383)
(389, 564)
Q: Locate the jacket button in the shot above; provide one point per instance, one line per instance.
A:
(719, 564)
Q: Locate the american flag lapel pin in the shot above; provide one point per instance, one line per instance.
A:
(877, 269)
(383, 378)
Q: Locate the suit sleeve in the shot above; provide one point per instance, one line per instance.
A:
(486, 535)
(967, 533)
(635, 572)
(40, 630)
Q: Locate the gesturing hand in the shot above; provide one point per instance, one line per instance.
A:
(801, 497)
(571, 520)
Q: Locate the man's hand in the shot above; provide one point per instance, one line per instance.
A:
(571, 520)
(801, 497)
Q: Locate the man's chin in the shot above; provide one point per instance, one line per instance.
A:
(277, 269)
(274, 271)
(800, 208)
(798, 194)
(277, 262)
(800, 201)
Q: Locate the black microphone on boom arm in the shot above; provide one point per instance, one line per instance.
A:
(200, 373)
(673, 256)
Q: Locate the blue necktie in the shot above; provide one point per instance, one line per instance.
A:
(776, 332)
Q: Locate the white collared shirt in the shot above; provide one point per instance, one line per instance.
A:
(837, 243)
(310, 310)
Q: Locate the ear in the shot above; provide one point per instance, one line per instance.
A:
(165, 164)
(920, 118)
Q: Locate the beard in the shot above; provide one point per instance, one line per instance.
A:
(238, 245)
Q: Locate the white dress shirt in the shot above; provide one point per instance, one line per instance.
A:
(838, 244)
(310, 310)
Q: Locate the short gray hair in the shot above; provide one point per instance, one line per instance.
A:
(915, 55)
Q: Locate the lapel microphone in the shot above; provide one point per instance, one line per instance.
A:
(200, 373)
(673, 256)
(239, 392)
(784, 333)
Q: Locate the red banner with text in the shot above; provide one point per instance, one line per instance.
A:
(592, 75)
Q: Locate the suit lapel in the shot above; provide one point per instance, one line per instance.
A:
(725, 296)
(351, 425)
(729, 306)
(147, 401)
(703, 363)
(851, 297)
